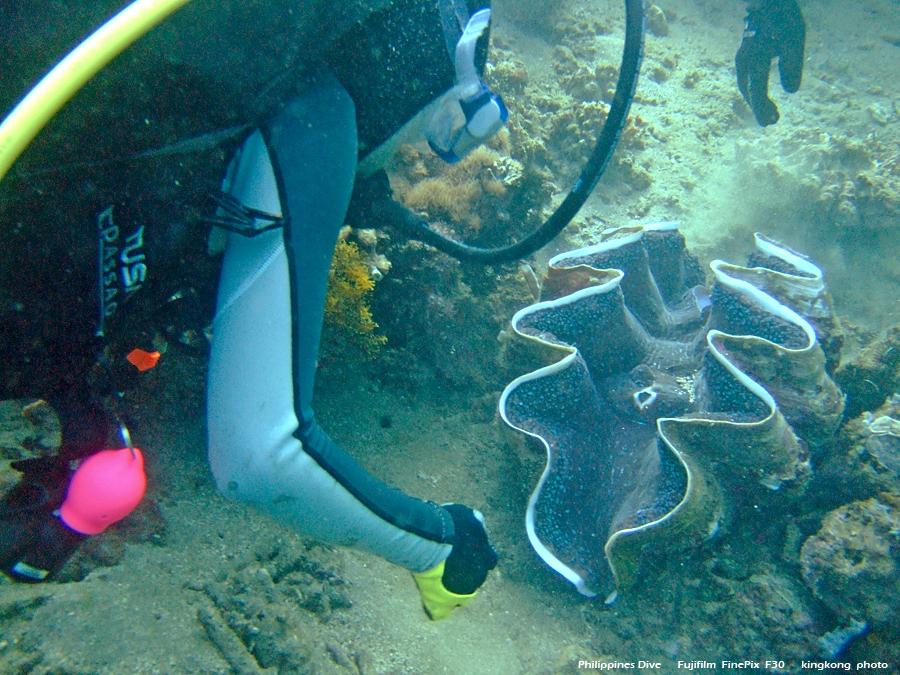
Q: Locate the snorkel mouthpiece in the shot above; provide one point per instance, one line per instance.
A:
(104, 489)
(469, 113)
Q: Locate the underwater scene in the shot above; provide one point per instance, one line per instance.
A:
(605, 376)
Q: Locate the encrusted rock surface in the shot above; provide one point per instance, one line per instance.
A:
(851, 564)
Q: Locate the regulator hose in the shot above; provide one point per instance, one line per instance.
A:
(376, 194)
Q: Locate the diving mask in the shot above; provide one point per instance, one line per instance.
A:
(469, 113)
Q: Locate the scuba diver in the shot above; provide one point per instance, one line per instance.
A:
(291, 183)
(284, 198)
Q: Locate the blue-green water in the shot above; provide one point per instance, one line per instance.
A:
(776, 588)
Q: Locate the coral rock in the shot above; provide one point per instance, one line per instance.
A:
(851, 563)
(656, 21)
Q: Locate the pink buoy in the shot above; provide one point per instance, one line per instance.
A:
(105, 488)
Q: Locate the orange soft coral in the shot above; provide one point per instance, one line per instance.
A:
(349, 328)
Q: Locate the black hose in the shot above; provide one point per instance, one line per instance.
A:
(417, 227)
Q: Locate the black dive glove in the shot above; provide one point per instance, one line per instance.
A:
(34, 542)
(472, 556)
(455, 581)
(775, 28)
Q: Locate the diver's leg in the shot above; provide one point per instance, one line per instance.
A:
(264, 443)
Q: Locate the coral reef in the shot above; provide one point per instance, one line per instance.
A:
(657, 23)
(853, 184)
(867, 457)
(348, 329)
(873, 375)
(487, 187)
(443, 318)
(768, 613)
(851, 563)
(700, 615)
(864, 196)
(553, 130)
(458, 191)
(369, 241)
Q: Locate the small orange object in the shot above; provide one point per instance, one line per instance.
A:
(143, 360)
